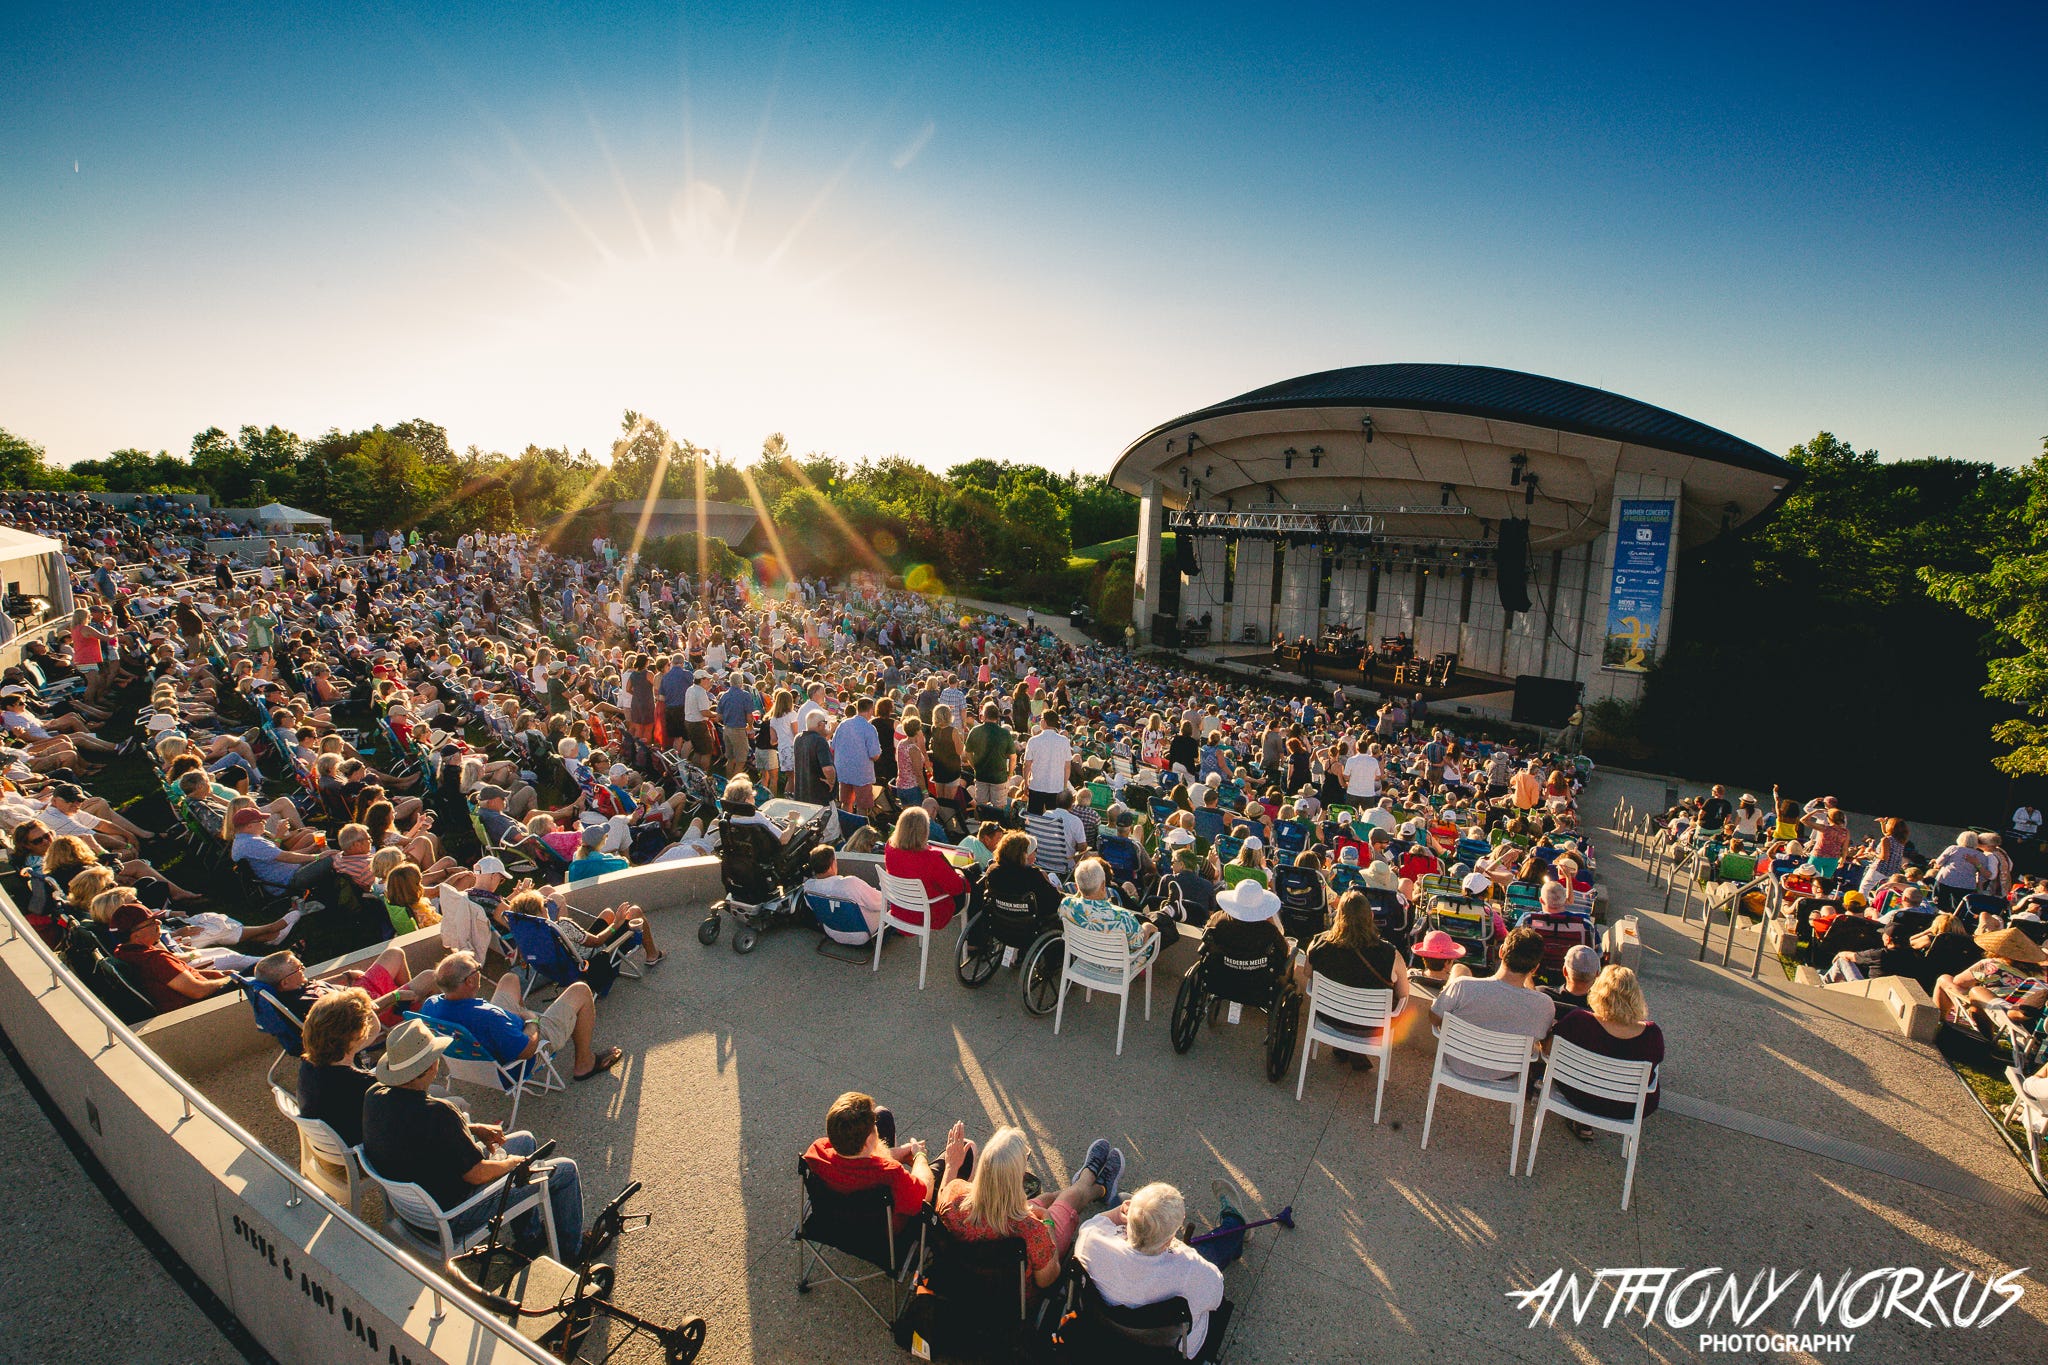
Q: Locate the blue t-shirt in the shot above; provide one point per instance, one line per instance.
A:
(675, 685)
(596, 865)
(497, 1031)
(855, 747)
(736, 704)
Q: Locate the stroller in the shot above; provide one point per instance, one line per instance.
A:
(763, 877)
(568, 1309)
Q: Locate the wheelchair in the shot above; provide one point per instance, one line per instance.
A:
(763, 878)
(1264, 983)
(1015, 936)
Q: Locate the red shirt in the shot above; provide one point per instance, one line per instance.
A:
(942, 881)
(157, 969)
(851, 1174)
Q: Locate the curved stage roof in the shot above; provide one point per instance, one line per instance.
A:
(1455, 425)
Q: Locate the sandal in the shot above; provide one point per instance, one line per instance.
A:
(606, 1060)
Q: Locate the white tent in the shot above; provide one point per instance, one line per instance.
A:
(277, 514)
(34, 565)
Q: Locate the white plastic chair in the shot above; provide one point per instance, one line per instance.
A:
(1605, 1078)
(414, 1217)
(1102, 960)
(324, 1158)
(467, 1061)
(904, 894)
(1482, 1047)
(2029, 1113)
(1354, 1018)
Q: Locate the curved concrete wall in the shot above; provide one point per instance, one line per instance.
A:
(310, 1282)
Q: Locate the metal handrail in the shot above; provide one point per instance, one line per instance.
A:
(118, 1033)
(1764, 882)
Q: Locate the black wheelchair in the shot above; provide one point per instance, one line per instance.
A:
(1095, 1331)
(1012, 933)
(763, 877)
(1263, 983)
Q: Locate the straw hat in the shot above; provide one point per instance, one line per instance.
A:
(2012, 945)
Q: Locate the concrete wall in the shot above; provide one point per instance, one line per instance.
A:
(306, 1280)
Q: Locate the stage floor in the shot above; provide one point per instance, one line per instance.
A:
(1466, 684)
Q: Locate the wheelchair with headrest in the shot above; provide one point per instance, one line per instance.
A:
(1216, 980)
(763, 877)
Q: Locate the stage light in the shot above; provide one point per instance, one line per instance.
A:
(1529, 490)
(1290, 453)
(1517, 462)
(1315, 457)
(1448, 490)
(1366, 422)
(1183, 476)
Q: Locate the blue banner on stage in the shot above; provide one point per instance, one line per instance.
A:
(1635, 599)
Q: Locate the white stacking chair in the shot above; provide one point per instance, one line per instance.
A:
(1483, 1047)
(2029, 1113)
(904, 894)
(1605, 1077)
(1354, 1018)
(414, 1218)
(1102, 960)
(324, 1158)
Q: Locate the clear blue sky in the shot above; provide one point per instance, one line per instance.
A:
(897, 228)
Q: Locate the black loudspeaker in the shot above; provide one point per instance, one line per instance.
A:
(1166, 630)
(1545, 702)
(1512, 555)
(1184, 555)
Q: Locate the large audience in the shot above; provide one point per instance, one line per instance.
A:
(442, 735)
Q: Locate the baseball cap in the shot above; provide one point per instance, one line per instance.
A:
(491, 864)
(491, 792)
(131, 916)
(1582, 961)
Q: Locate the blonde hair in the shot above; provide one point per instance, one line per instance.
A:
(1617, 997)
(88, 883)
(913, 829)
(995, 1198)
(107, 902)
(405, 887)
(385, 860)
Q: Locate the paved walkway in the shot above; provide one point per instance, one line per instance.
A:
(75, 1284)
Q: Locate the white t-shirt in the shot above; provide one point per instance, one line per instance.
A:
(1362, 775)
(2026, 820)
(696, 702)
(1048, 755)
(1129, 1278)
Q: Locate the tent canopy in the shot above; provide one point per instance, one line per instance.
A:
(15, 544)
(271, 512)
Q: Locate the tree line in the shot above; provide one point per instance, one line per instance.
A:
(1883, 636)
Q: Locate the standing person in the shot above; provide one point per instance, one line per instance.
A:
(88, 643)
(1361, 775)
(1959, 870)
(674, 688)
(1888, 857)
(736, 707)
(855, 746)
(1048, 763)
(812, 775)
(992, 757)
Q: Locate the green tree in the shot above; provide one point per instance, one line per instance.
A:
(21, 462)
(2011, 593)
(1039, 524)
(1097, 510)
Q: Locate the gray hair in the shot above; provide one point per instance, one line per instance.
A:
(454, 969)
(1554, 895)
(272, 970)
(1156, 1215)
(1091, 878)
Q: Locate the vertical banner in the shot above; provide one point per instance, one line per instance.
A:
(1635, 599)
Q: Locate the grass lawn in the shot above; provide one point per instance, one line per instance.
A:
(1109, 549)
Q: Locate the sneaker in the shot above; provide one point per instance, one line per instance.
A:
(1113, 1171)
(1097, 1160)
(1227, 1197)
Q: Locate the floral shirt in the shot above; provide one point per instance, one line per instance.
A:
(1094, 914)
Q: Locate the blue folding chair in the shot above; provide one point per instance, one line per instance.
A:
(1122, 856)
(271, 1015)
(840, 917)
(1290, 837)
(467, 1061)
(545, 954)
